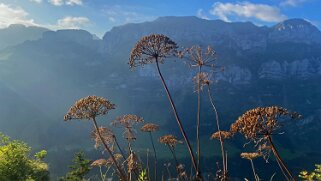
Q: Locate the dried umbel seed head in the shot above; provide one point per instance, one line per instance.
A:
(127, 121)
(88, 108)
(106, 133)
(99, 163)
(261, 121)
(133, 162)
(250, 156)
(169, 140)
(117, 156)
(151, 48)
(201, 79)
(224, 134)
(198, 58)
(150, 127)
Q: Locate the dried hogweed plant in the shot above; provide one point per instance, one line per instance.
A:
(198, 58)
(149, 128)
(101, 163)
(251, 157)
(155, 48)
(222, 136)
(89, 108)
(171, 141)
(259, 124)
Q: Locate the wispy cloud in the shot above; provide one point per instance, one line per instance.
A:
(70, 22)
(66, 2)
(292, 3)
(14, 15)
(36, 1)
(125, 14)
(247, 10)
(200, 13)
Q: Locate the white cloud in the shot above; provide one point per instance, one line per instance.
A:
(292, 2)
(56, 2)
(36, 1)
(74, 2)
(125, 14)
(66, 2)
(70, 22)
(200, 14)
(247, 10)
(14, 15)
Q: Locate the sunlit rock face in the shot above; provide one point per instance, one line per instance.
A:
(295, 30)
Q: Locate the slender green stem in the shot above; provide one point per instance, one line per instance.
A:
(224, 160)
(121, 173)
(155, 156)
(190, 150)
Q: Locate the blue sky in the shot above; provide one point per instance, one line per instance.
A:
(99, 16)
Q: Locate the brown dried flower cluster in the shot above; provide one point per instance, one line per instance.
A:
(224, 134)
(169, 140)
(99, 163)
(151, 48)
(200, 80)
(106, 133)
(150, 127)
(128, 121)
(117, 157)
(259, 122)
(133, 162)
(250, 156)
(88, 108)
(198, 58)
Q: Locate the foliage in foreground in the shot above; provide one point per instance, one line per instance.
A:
(79, 169)
(310, 176)
(16, 164)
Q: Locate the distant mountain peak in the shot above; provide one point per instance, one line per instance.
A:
(294, 24)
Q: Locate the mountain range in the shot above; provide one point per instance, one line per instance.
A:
(42, 72)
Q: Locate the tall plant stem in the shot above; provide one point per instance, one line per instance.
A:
(198, 172)
(155, 156)
(276, 154)
(172, 149)
(120, 150)
(121, 173)
(198, 119)
(224, 160)
(253, 169)
(147, 164)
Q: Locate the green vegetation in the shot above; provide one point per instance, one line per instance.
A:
(79, 169)
(311, 176)
(16, 164)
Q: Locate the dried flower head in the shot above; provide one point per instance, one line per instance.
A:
(151, 48)
(88, 108)
(127, 121)
(117, 156)
(99, 163)
(133, 162)
(199, 58)
(201, 79)
(260, 123)
(150, 127)
(106, 133)
(169, 140)
(250, 156)
(224, 134)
